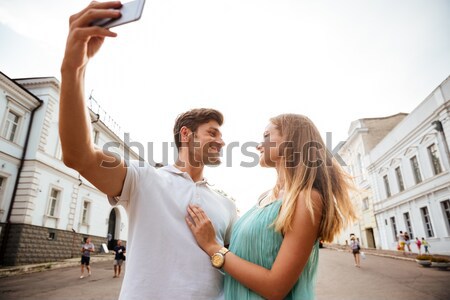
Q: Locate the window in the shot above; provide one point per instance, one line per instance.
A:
(11, 125)
(51, 236)
(446, 210)
(398, 174)
(394, 228)
(427, 221)
(366, 203)
(416, 170)
(435, 161)
(96, 135)
(53, 203)
(85, 213)
(408, 224)
(2, 188)
(386, 186)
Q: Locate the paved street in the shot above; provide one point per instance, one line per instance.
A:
(378, 278)
(63, 283)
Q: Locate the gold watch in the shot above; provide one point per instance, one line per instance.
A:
(218, 258)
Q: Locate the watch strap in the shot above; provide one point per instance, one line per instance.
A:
(224, 251)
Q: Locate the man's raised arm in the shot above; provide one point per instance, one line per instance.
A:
(77, 146)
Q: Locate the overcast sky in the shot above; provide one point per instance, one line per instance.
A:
(334, 61)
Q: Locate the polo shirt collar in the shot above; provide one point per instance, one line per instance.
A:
(174, 170)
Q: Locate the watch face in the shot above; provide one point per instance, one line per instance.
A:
(217, 260)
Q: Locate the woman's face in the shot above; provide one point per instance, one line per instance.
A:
(269, 148)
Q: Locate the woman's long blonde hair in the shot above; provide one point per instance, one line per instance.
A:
(307, 164)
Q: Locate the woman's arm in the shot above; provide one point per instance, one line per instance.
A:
(289, 263)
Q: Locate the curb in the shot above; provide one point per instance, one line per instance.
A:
(24, 269)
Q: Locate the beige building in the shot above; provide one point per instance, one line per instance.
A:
(363, 135)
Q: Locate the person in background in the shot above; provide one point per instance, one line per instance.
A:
(419, 245)
(119, 258)
(274, 247)
(355, 247)
(425, 246)
(407, 241)
(401, 242)
(86, 250)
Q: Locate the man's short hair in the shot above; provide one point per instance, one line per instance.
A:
(192, 119)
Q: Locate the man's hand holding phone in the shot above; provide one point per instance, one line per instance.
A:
(129, 12)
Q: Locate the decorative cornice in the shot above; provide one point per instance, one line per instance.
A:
(14, 90)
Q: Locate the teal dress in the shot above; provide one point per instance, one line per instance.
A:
(255, 240)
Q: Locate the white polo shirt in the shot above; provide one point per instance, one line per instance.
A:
(163, 259)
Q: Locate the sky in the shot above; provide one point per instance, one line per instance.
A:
(333, 61)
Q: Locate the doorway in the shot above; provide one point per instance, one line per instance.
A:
(370, 238)
(112, 229)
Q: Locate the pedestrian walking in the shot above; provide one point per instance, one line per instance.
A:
(86, 250)
(119, 258)
(354, 245)
(401, 242)
(425, 246)
(419, 245)
(407, 241)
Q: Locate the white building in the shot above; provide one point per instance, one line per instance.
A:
(410, 178)
(363, 135)
(45, 206)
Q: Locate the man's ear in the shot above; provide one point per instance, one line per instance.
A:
(184, 134)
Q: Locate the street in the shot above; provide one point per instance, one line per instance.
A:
(378, 278)
(63, 283)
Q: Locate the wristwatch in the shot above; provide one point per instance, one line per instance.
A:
(218, 258)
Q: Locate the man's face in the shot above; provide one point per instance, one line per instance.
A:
(205, 145)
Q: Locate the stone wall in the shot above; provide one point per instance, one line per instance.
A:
(28, 244)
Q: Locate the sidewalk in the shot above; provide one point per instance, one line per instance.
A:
(17, 270)
(384, 253)
(70, 262)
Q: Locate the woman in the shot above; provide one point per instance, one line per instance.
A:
(419, 245)
(274, 246)
(354, 245)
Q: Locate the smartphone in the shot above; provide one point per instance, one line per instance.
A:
(130, 12)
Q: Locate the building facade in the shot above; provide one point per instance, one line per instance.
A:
(47, 209)
(409, 172)
(364, 134)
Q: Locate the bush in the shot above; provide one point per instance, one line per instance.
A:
(424, 257)
(439, 259)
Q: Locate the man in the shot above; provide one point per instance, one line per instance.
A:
(164, 259)
(119, 257)
(86, 250)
